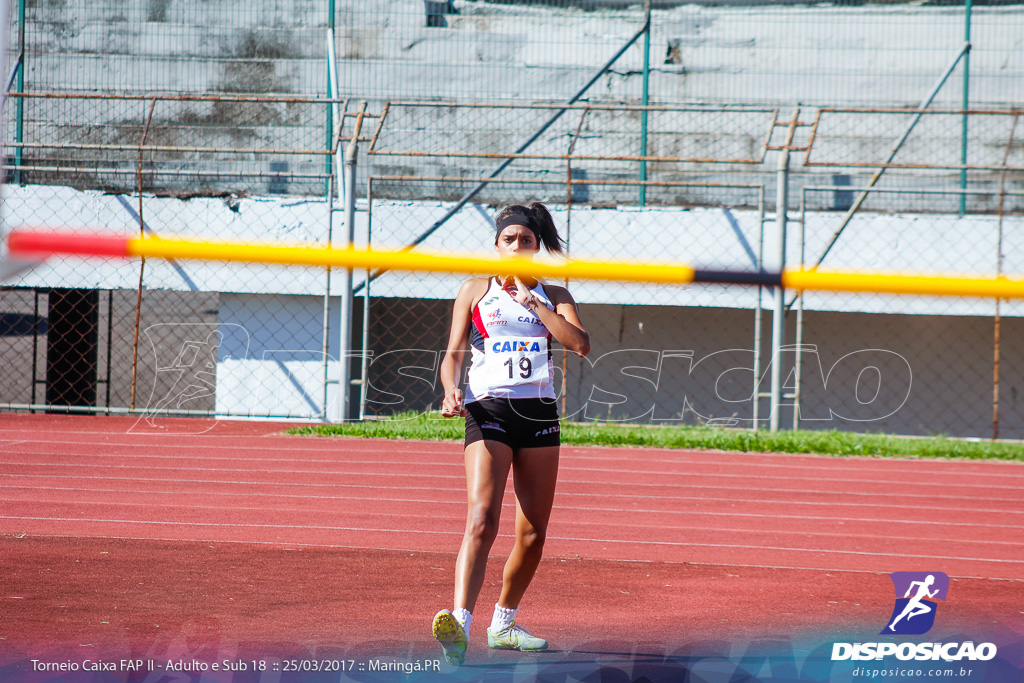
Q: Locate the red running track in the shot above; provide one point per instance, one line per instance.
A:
(277, 542)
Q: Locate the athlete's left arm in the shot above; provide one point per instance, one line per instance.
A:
(564, 322)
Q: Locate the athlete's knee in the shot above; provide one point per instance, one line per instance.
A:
(482, 523)
(532, 539)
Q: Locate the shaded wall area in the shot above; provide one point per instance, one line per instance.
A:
(922, 375)
(903, 374)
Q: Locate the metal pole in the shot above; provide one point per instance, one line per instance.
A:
(644, 100)
(19, 132)
(3, 61)
(568, 243)
(964, 105)
(345, 331)
(331, 90)
(364, 360)
(110, 339)
(327, 297)
(35, 343)
(999, 272)
(332, 181)
(779, 310)
(798, 355)
(758, 312)
(142, 266)
(995, 374)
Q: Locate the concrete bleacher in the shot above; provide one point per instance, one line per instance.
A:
(774, 56)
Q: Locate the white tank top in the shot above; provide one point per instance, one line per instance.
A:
(511, 348)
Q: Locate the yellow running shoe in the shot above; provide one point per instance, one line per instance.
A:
(449, 632)
(515, 637)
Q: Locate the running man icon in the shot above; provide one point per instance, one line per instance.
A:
(925, 587)
(915, 607)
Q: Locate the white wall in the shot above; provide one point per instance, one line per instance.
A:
(276, 368)
(701, 237)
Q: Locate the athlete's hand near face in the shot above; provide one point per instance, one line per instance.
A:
(521, 293)
(563, 323)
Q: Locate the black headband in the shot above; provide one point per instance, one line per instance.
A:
(515, 219)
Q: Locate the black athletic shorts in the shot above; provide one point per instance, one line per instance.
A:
(515, 422)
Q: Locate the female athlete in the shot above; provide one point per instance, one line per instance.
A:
(511, 422)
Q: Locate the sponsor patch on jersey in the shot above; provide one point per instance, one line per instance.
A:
(513, 345)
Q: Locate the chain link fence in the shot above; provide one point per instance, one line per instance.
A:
(644, 337)
(895, 363)
(770, 54)
(163, 120)
(847, 52)
(165, 336)
(171, 145)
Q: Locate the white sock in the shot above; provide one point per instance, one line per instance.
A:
(465, 617)
(503, 617)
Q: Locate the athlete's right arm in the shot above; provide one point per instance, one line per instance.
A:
(451, 366)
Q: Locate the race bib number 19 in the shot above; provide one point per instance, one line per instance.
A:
(511, 362)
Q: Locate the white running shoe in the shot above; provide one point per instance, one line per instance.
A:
(515, 637)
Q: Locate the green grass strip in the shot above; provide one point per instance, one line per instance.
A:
(432, 427)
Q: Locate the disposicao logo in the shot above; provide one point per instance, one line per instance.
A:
(914, 612)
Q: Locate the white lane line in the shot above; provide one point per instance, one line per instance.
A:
(92, 466)
(712, 453)
(458, 477)
(373, 530)
(229, 525)
(176, 441)
(865, 520)
(460, 467)
(640, 453)
(287, 546)
(844, 480)
(461, 490)
(462, 504)
(837, 463)
(680, 456)
(340, 460)
(812, 569)
(560, 521)
(34, 431)
(785, 549)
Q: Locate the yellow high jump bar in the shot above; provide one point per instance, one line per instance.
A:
(30, 245)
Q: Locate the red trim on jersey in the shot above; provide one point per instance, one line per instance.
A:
(478, 322)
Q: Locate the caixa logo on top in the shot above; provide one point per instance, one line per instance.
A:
(914, 613)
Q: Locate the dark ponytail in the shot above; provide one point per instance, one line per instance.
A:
(535, 217)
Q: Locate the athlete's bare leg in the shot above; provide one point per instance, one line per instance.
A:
(534, 472)
(487, 466)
